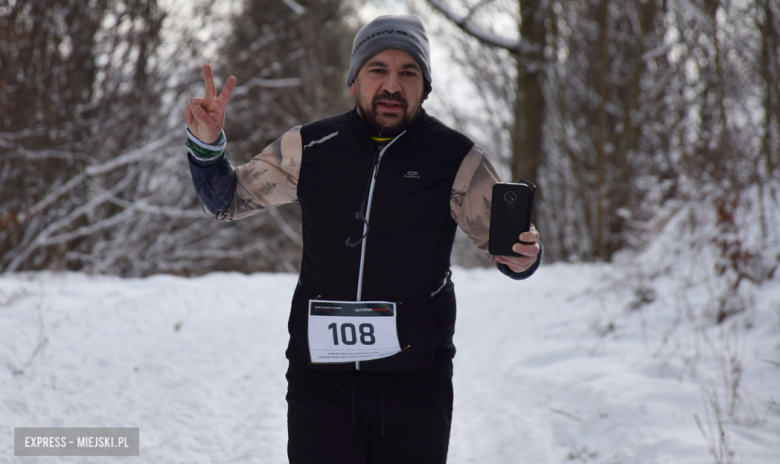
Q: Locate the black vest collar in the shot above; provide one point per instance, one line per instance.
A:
(362, 134)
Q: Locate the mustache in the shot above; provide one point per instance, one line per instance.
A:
(387, 96)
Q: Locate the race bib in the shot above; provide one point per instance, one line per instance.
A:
(349, 331)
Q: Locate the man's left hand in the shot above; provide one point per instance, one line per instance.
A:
(529, 249)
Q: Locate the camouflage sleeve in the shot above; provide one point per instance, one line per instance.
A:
(471, 197)
(470, 202)
(270, 179)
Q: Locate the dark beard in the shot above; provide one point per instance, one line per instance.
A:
(371, 116)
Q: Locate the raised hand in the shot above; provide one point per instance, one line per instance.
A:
(206, 116)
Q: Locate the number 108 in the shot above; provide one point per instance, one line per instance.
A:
(349, 335)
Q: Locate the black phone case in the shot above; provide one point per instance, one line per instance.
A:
(510, 215)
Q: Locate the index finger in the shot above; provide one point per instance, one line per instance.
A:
(531, 236)
(208, 76)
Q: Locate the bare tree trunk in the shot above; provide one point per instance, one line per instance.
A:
(529, 100)
(621, 195)
(529, 106)
(599, 245)
(768, 68)
(769, 49)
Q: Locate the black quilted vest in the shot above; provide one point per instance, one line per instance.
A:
(408, 246)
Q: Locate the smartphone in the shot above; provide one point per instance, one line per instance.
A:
(510, 215)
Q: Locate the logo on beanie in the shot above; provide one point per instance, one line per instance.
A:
(390, 31)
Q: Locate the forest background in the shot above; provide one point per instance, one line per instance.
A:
(651, 128)
(634, 118)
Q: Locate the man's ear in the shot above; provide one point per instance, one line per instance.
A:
(353, 87)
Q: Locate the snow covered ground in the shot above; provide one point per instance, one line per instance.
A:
(581, 363)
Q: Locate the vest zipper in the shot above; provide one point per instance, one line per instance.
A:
(365, 225)
(368, 216)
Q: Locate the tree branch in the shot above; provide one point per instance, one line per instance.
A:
(143, 207)
(41, 238)
(483, 35)
(286, 228)
(124, 159)
(267, 83)
(297, 9)
(86, 230)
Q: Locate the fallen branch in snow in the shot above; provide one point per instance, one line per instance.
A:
(42, 341)
(773, 406)
(584, 455)
(13, 298)
(567, 415)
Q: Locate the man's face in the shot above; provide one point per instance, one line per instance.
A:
(388, 91)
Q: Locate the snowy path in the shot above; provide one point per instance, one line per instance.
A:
(555, 369)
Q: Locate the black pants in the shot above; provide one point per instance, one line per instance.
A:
(360, 417)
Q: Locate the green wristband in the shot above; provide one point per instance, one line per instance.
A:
(202, 153)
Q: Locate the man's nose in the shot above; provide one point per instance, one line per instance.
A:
(392, 84)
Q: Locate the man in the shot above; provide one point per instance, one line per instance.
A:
(382, 189)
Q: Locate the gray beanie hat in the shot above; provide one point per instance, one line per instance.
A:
(402, 32)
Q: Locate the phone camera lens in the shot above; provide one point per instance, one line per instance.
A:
(510, 197)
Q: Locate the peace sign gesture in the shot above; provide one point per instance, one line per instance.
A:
(206, 116)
